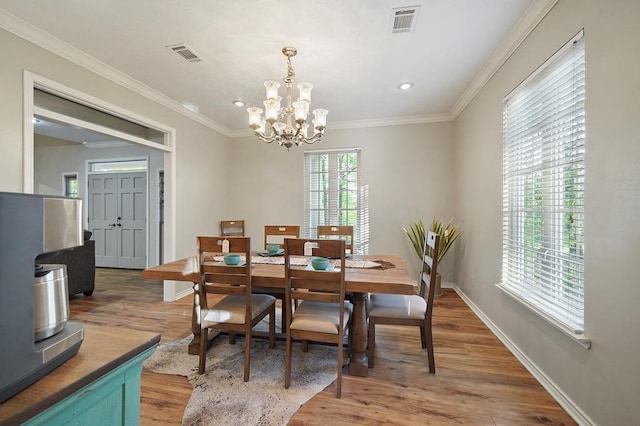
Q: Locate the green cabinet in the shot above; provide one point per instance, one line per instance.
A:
(112, 399)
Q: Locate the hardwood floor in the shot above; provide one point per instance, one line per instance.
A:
(478, 381)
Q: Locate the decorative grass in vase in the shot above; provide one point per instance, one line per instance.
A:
(448, 232)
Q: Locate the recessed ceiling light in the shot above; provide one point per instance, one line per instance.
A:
(239, 103)
(405, 86)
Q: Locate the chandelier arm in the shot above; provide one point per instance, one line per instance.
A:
(313, 139)
(264, 138)
(298, 130)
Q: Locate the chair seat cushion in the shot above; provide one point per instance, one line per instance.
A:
(397, 306)
(231, 309)
(320, 317)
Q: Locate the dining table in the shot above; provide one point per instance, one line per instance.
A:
(375, 274)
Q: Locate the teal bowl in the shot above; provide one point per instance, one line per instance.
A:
(273, 248)
(320, 263)
(232, 259)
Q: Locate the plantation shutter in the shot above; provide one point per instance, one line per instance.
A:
(543, 188)
(332, 192)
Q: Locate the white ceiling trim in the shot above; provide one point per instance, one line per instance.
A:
(378, 122)
(529, 20)
(394, 121)
(526, 24)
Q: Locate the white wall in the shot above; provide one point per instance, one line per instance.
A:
(603, 382)
(408, 171)
(197, 146)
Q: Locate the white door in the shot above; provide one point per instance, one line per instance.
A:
(117, 218)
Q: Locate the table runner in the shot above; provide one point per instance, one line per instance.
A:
(300, 261)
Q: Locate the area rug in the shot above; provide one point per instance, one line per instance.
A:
(220, 395)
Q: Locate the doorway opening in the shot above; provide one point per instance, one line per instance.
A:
(160, 140)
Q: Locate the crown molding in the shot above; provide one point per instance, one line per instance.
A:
(527, 23)
(35, 35)
(377, 122)
(392, 121)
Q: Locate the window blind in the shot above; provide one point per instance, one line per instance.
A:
(332, 192)
(543, 188)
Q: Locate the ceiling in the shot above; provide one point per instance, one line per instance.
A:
(345, 48)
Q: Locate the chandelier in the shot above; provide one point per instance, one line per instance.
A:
(287, 125)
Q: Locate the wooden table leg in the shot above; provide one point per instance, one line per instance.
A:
(359, 364)
(194, 345)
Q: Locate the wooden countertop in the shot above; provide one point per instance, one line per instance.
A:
(103, 349)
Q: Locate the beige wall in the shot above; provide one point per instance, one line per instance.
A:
(603, 382)
(196, 145)
(268, 182)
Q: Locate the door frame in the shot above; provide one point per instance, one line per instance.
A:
(33, 81)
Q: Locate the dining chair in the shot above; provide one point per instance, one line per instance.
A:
(276, 234)
(239, 310)
(415, 310)
(232, 228)
(343, 232)
(322, 315)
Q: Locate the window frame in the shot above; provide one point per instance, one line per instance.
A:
(543, 191)
(68, 179)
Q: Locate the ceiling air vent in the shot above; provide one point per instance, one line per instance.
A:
(403, 19)
(185, 52)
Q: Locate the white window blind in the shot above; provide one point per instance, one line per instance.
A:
(333, 193)
(543, 188)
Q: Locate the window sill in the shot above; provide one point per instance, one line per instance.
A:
(579, 338)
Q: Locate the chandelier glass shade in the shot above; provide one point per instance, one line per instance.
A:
(287, 125)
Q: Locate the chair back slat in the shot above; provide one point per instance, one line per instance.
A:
(220, 277)
(311, 276)
(276, 234)
(315, 296)
(344, 232)
(214, 244)
(214, 288)
(232, 228)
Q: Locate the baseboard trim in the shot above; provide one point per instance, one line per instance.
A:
(556, 393)
(184, 293)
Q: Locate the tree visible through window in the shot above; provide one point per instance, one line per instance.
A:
(71, 185)
(333, 194)
(543, 200)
